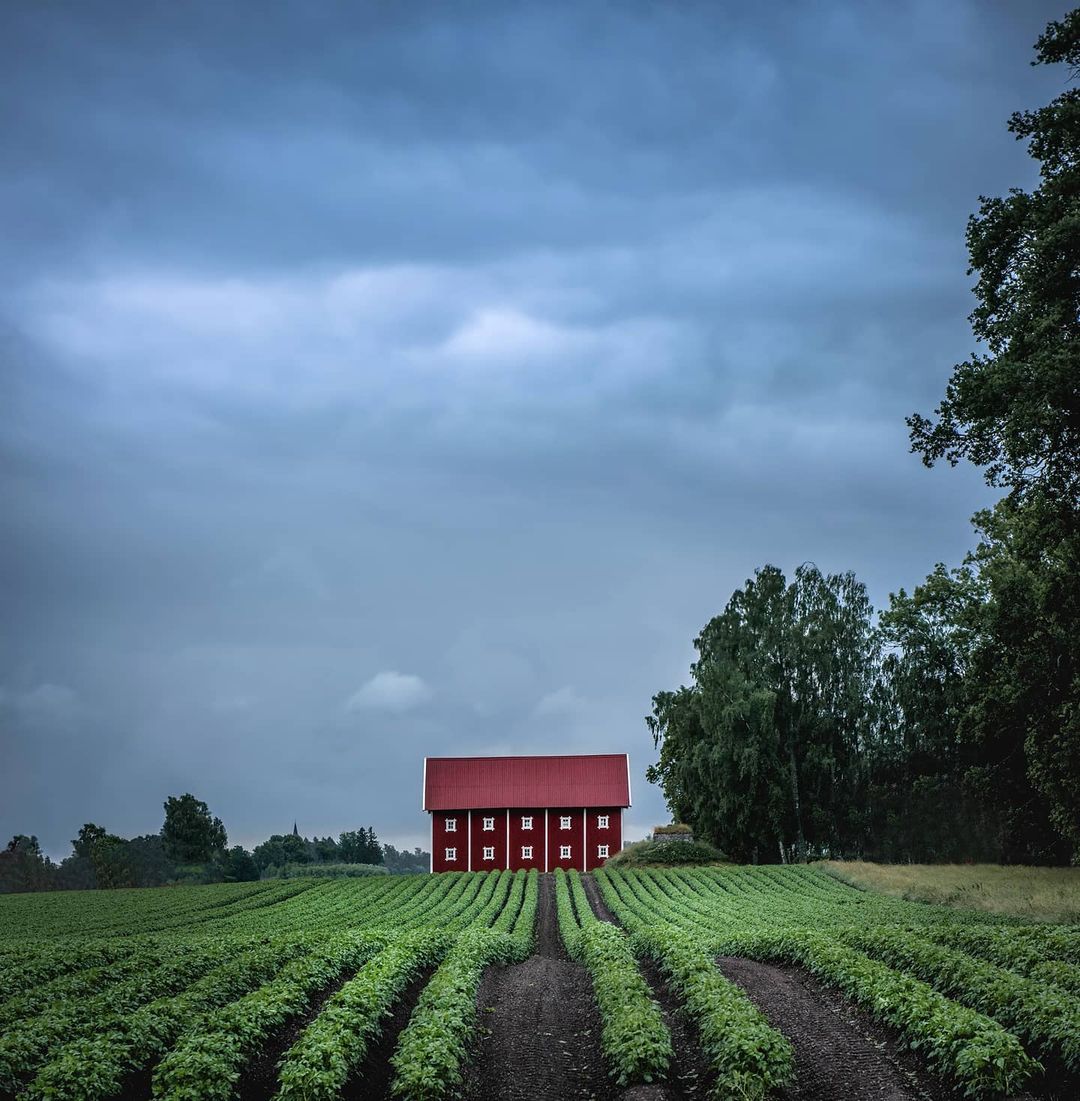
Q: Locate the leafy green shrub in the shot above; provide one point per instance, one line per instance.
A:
(666, 852)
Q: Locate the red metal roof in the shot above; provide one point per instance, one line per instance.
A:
(586, 780)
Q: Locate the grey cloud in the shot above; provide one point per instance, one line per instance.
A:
(492, 345)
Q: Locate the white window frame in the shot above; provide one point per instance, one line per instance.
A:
(603, 821)
(565, 821)
(526, 852)
(451, 825)
(564, 852)
(451, 855)
(489, 852)
(489, 823)
(602, 851)
(526, 821)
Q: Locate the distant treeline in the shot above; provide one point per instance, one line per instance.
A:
(192, 847)
(948, 729)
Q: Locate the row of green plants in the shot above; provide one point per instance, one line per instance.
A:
(635, 1041)
(976, 1053)
(432, 1050)
(26, 1044)
(107, 1044)
(1027, 955)
(206, 1065)
(318, 1065)
(1046, 1018)
(748, 1057)
(95, 1065)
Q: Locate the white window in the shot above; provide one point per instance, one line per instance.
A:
(489, 823)
(489, 852)
(526, 821)
(564, 852)
(451, 825)
(526, 852)
(564, 822)
(602, 821)
(602, 851)
(451, 854)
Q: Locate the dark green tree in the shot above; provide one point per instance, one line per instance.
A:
(238, 865)
(360, 847)
(89, 835)
(761, 753)
(1014, 409)
(23, 866)
(190, 834)
(281, 849)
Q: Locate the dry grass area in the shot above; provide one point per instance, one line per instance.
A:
(1036, 894)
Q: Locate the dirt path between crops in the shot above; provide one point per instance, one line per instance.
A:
(839, 1051)
(540, 1028)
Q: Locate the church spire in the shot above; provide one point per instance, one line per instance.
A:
(295, 831)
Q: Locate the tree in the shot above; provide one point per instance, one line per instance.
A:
(403, 862)
(238, 866)
(1015, 411)
(191, 836)
(359, 847)
(761, 753)
(281, 849)
(23, 866)
(326, 850)
(89, 835)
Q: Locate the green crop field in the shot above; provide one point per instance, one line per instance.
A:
(326, 989)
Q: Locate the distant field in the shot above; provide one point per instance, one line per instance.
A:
(1033, 894)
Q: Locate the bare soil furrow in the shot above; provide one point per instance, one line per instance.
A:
(540, 1028)
(839, 1052)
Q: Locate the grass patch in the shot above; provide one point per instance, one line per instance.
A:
(1034, 894)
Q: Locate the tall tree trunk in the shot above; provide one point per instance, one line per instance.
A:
(800, 841)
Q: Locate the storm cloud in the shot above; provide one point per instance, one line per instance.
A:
(381, 381)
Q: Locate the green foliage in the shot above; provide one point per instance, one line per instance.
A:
(773, 914)
(190, 834)
(760, 754)
(23, 867)
(639, 853)
(403, 862)
(359, 847)
(238, 866)
(433, 1048)
(749, 1058)
(1015, 411)
(1041, 1015)
(319, 1064)
(635, 1040)
(324, 871)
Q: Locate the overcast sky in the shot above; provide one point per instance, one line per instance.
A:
(390, 380)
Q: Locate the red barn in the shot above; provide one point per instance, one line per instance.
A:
(525, 812)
